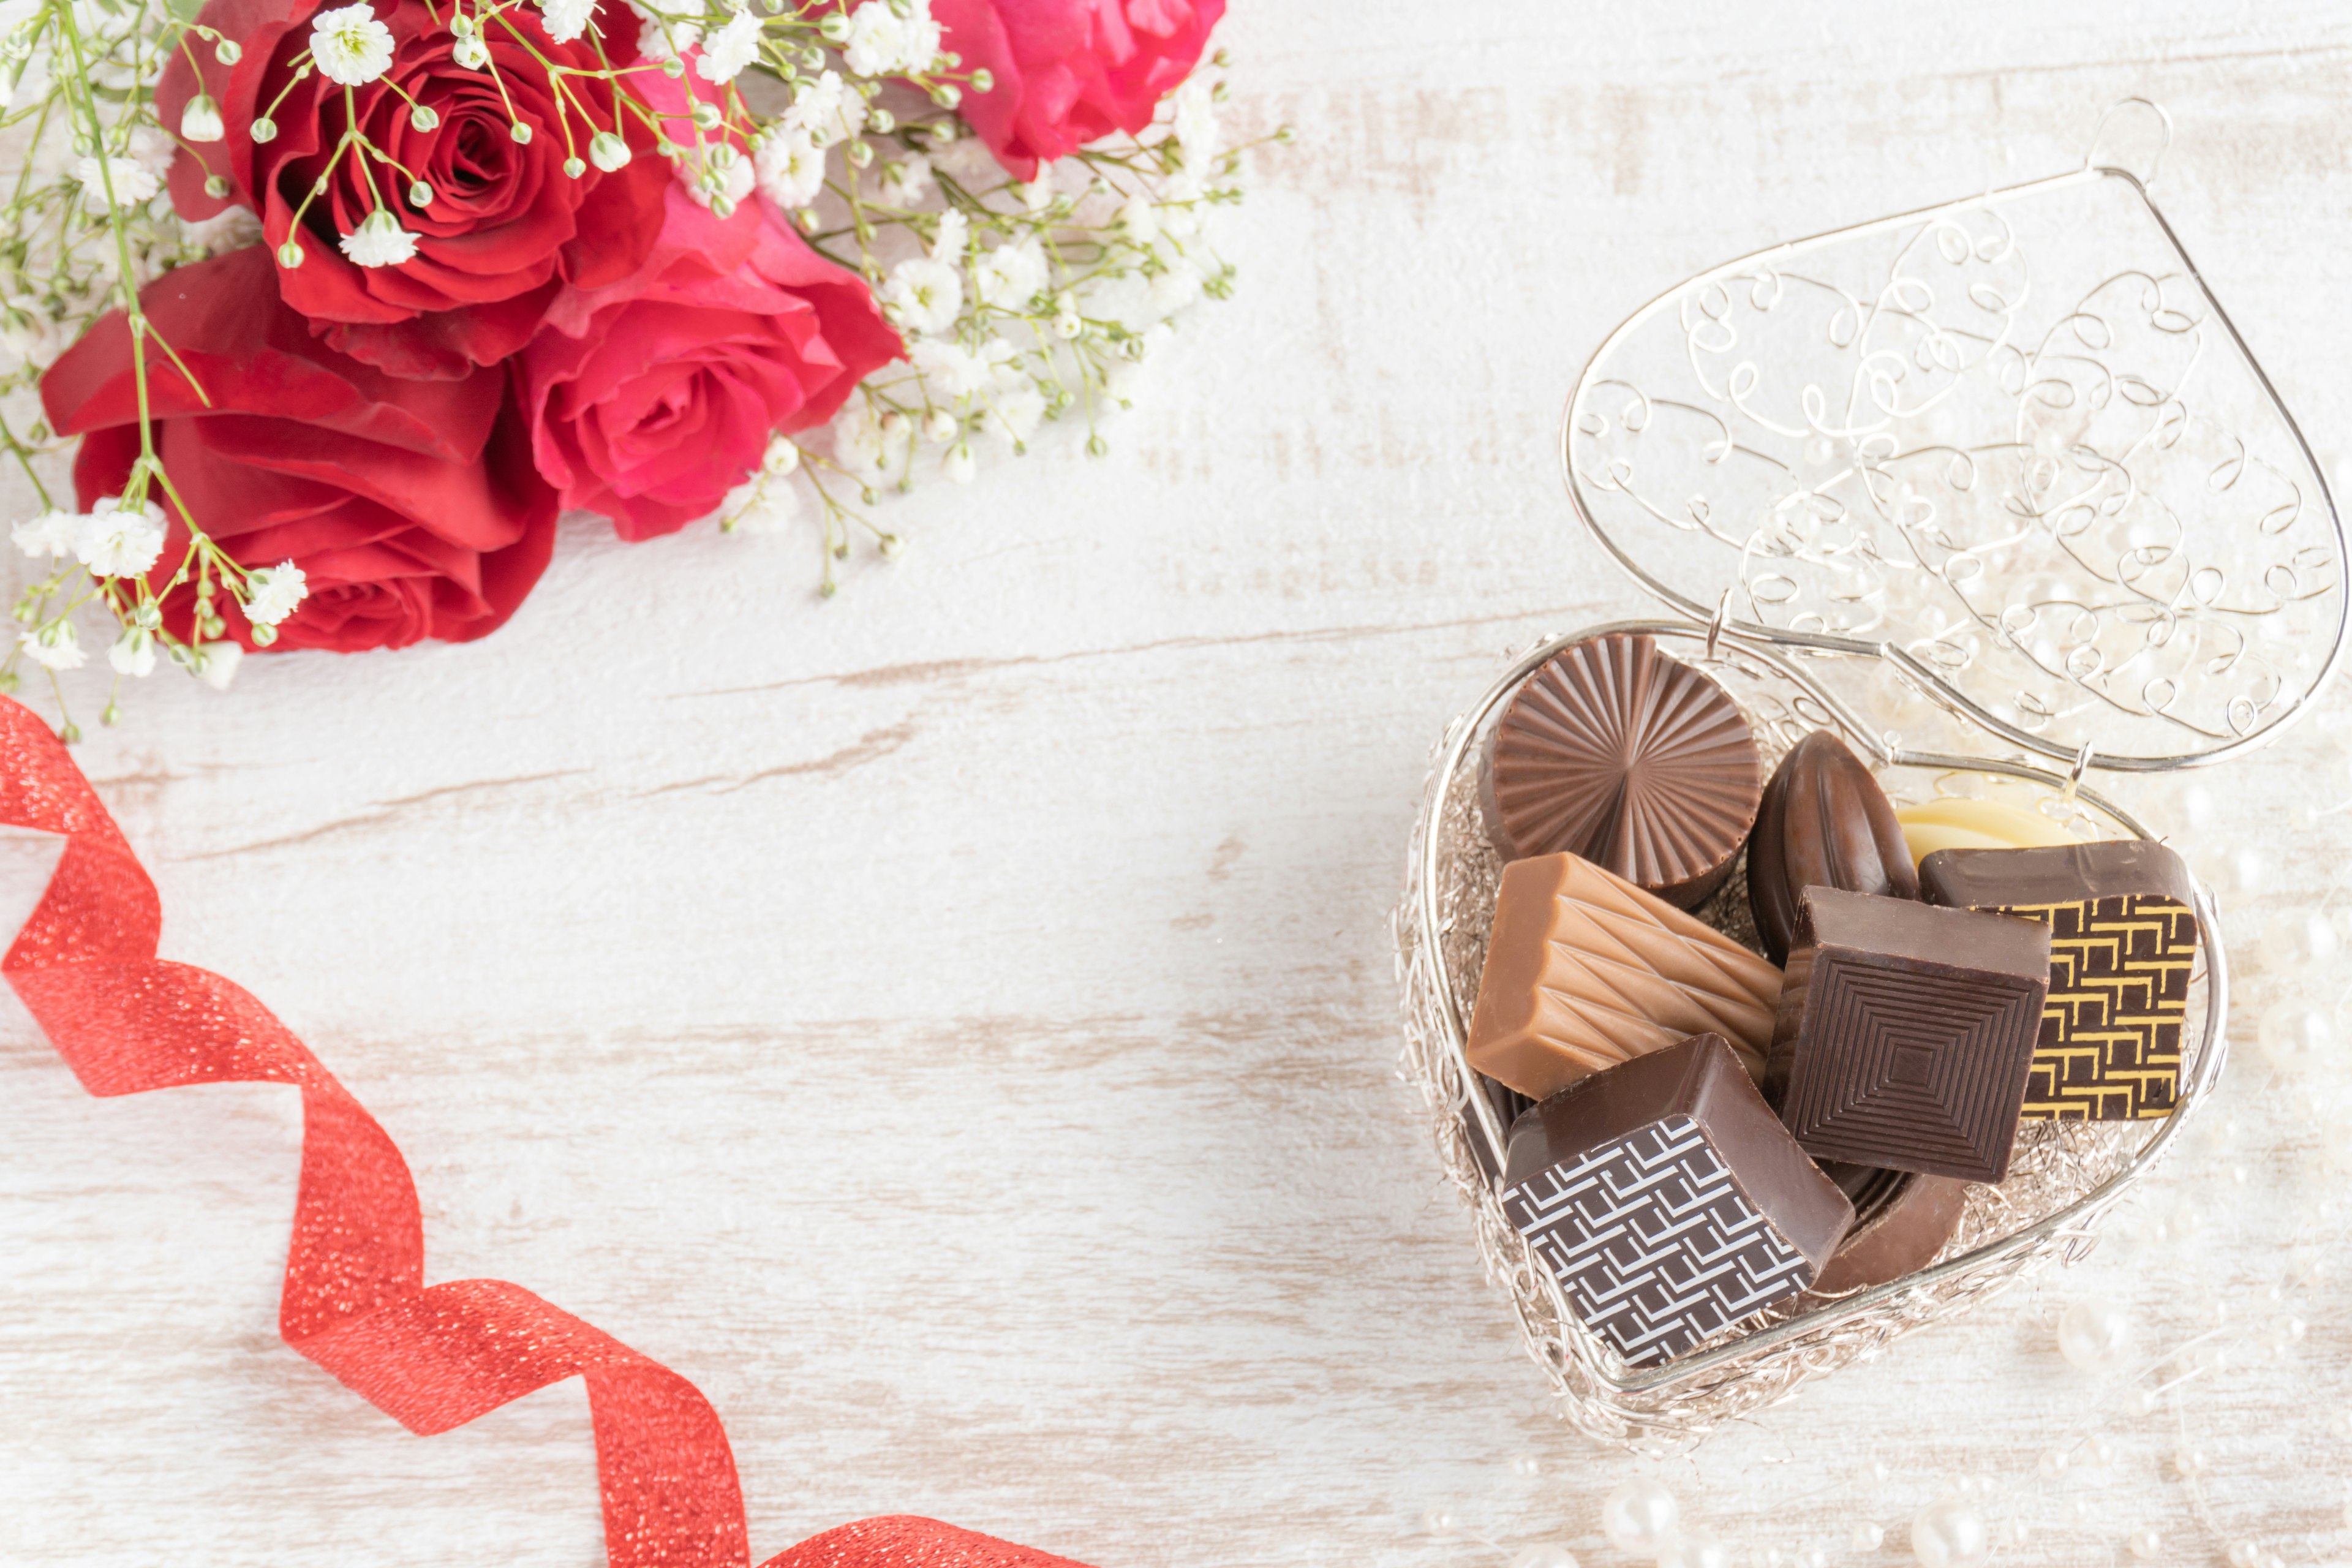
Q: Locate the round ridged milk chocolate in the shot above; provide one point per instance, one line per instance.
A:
(1640, 764)
(1824, 823)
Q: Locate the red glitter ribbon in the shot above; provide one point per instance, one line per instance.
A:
(432, 1357)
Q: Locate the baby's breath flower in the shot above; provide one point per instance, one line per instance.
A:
(1195, 119)
(1175, 288)
(50, 534)
(877, 40)
(214, 663)
(274, 592)
(567, 20)
(201, 119)
(133, 653)
(661, 40)
(951, 369)
(133, 182)
(858, 443)
(54, 646)
(1139, 220)
(1014, 414)
(726, 52)
(904, 184)
(948, 242)
(1010, 276)
(379, 241)
(349, 46)
(113, 540)
(763, 504)
(718, 178)
(827, 109)
(789, 166)
(608, 151)
(782, 456)
(469, 51)
(927, 294)
(958, 465)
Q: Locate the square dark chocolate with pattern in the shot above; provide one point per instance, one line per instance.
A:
(1668, 1201)
(2121, 915)
(1905, 1032)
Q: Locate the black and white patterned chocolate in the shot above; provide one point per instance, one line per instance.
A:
(1654, 1243)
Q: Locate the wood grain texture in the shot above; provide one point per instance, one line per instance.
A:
(954, 1025)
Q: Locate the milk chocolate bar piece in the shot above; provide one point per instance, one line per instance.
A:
(2122, 938)
(1905, 1033)
(1667, 1200)
(1902, 1220)
(1824, 823)
(1616, 752)
(1584, 971)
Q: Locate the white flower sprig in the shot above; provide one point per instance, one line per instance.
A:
(1022, 303)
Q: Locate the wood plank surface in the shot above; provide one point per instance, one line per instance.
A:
(954, 1025)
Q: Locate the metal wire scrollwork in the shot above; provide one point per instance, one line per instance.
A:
(2063, 1177)
(2012, 443)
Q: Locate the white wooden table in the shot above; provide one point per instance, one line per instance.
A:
(954, 1025)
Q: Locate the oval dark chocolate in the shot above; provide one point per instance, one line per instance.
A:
(1635, 762)
(1823, 823)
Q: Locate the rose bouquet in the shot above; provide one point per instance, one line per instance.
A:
(344, 304)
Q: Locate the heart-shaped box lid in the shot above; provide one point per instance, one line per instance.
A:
(2012, 445)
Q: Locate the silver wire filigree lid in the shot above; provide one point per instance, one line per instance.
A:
(2011, 444)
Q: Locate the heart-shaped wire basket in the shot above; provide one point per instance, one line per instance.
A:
(2068, 511)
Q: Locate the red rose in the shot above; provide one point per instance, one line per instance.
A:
(411, 506)
(1071, 71)
(650, 400)
(506, 226)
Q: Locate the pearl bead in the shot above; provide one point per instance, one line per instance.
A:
(1545, 1557)
(2245, 1555)
(2144, 1545)
(2094, 1335)
(1638, 1517)
(2009, 1533)
(1437, 1522)
(2053, 1461)
(1868, 1537)
(1694, 1547)
(1816, 1558)
(2296, 1038)
(1526, 1465)
(2298, 944)
(2188, 1461)
(1950, 1535)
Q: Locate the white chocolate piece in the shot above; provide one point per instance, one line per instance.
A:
(1955, 822)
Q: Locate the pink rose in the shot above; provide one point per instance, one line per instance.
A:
(650, 399)
(1070, 72)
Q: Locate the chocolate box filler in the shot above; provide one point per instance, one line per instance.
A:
(2011, 451)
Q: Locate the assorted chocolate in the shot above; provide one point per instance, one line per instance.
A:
(1714, 1134)
(1905, 1032)
(2122, 938)
(1640, 764)
(1668, 1201)
(1902, 1220)
(1824, 823)
(1585, 971)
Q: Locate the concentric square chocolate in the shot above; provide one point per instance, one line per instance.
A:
(1668, 1201)
(1905, 1033)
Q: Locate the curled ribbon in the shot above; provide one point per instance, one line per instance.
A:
(355, 1301)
